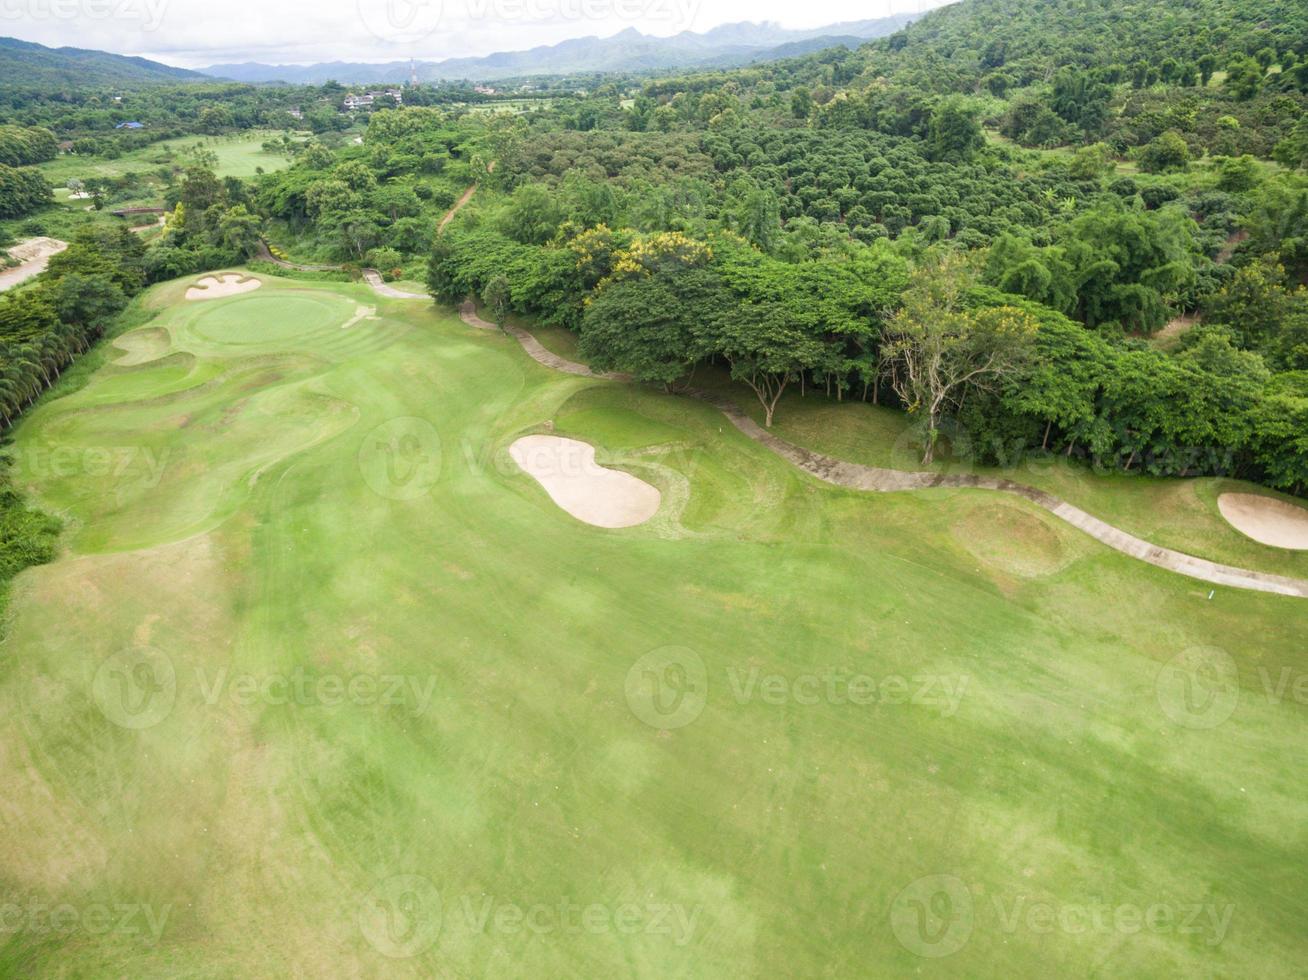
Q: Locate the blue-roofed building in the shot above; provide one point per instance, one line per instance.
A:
(130, 125)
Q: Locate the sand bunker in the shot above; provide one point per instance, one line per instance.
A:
(216, 287)
(33, 255)
(1266, 519)
(567, 470)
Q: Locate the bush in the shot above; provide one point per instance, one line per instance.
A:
(1166, 153)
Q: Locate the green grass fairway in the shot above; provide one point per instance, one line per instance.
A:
(239, 155)
(323, 685)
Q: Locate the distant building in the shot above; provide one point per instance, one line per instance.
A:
(130, 125)
(483, 90)
(295, 112)
(366, 100)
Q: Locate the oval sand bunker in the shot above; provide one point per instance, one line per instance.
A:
(589, 492)
(1266, 519)
(216, 287)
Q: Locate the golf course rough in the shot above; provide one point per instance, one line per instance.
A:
(324, 683)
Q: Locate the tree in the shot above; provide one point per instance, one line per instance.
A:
(645, 326)
(765, 347)
(1292, 152)
(532, 215)
(1253, 304)
(215, 118)
(937, 352)
(1080, 99)
(1237, 175)
(240, 231)
(758, 217)
(495, 295)
(1207, 65)
(1045, 275)
(954, 135)
(1165, 153)
(1245, 79)
(801, 103)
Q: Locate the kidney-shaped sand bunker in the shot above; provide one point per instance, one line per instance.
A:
(216, 287)
(589, 492)
(1266, 519)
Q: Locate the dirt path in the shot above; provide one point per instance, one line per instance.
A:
(33, 255)
(371, 276)
(464, 199)
(855, 476)
(449, 215)
(142, 229)
(266, 254)
(1180, 324)
(379, 286)
(468, 313)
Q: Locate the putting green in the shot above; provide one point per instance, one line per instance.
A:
(270, 319)
(325, 684)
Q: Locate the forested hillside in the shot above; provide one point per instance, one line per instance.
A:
(28, 64)
(1102, 168)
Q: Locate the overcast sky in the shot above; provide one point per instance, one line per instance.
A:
(196, 33)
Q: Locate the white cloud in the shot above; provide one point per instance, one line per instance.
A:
(196, 33)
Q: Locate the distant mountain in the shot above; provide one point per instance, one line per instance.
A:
(27, 63)
(726, 46)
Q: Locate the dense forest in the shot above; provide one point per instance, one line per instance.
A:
(1030, 196)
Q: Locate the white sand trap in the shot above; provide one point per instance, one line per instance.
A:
(33, 255)
(589, 492)
(216, 287)
(1266, 519)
